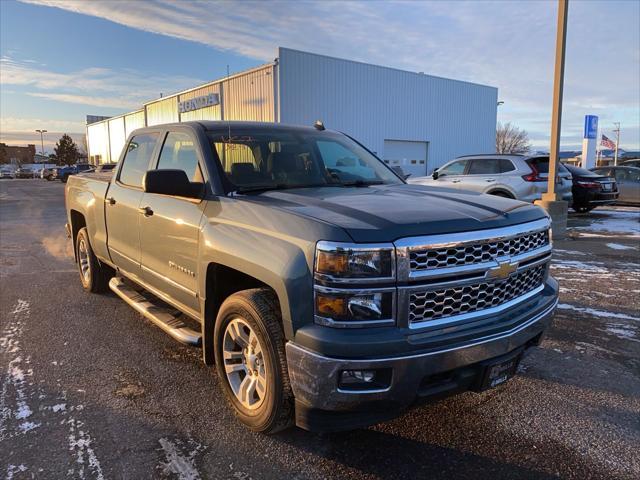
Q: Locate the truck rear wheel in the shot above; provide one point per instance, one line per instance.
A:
(251, 361)
(93, 275)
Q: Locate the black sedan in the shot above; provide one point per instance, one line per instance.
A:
(591, 190)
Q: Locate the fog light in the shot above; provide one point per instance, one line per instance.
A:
(361, 380)
(358, 376)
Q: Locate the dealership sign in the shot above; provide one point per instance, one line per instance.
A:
(199, 102)
(590, 126)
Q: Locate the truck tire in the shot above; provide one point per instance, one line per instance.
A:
(64, 178)
(251, 361)
(93, 275)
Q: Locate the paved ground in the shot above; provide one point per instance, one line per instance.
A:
(92, 390)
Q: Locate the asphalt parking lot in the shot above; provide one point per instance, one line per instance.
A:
(92, 390)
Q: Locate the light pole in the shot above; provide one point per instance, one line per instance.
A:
(42, 132)
(556, 207)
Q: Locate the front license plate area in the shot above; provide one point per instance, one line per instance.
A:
(498, 371)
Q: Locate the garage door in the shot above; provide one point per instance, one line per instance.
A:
(410, 156)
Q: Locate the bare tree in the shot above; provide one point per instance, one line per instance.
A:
(511, 139)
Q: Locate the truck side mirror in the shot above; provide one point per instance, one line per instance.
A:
(171, 182)
(435, 174)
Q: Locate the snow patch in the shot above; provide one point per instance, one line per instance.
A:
(13, 469)
(568, 252)
(622, 331)
(80, 444)
(617, 246)
(179, 463)
(597, 313)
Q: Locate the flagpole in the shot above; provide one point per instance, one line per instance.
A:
(615, 155)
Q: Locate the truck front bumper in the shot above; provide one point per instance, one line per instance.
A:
(322, 405)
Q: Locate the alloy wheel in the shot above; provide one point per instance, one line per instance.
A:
(83, 258)
(244, 363)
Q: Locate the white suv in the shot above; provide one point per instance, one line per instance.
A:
(514, 176)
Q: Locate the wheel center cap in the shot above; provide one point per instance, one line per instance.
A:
(251, 361)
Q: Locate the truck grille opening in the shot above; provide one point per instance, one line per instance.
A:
(448, 302)
(429, 259)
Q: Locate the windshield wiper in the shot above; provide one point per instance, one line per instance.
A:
(362, 183)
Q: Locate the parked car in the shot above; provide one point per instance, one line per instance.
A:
(104, 167)
(513, 176)
(7, 173)
(635, 162)
(628, 180)
(22, 172)
(63, 173)
(591, 190)
(47, 173)
(324, 295)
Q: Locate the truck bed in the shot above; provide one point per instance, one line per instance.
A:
(85, 194)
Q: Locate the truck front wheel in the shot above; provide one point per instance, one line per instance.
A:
(251, 361)
(93, 275)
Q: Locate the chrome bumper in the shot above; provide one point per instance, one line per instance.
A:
(314, 377)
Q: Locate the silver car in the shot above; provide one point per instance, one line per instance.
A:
(513, 176)
(628, 179)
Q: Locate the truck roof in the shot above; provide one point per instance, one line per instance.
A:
(219, 124)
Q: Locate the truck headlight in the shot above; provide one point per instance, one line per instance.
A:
(356, 308)
(352, 263)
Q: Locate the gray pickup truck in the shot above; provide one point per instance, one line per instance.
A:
(326, 290)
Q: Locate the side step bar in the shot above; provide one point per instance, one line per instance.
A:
(165, 317)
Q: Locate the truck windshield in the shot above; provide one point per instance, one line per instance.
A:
(255, 160)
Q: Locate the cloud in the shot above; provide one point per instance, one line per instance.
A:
(124, 89)
(15, 124)
(108, 102)
(509, 45)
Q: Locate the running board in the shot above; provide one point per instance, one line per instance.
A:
(165, 317)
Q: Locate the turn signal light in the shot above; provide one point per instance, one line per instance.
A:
(332, 263)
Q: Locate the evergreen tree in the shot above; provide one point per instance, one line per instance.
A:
(66, 150)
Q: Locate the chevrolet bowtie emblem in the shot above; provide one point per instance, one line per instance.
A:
(503, 270)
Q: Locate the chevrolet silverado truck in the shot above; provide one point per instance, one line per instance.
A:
(326, 291)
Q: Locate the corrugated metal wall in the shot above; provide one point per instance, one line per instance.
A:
(245, 96)
(207, 113)
(375, 104)
(249, 96)
(117, 137)
(162, 111)
(98, 142)
(133, 121)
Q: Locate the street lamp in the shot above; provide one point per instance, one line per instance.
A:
(42, 132)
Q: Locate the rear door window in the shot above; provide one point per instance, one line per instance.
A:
(485, 166)
(137, 158)
(179, 153)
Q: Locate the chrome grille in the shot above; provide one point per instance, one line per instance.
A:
(459, 255)
(447, 302)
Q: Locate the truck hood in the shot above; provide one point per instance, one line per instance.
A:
(386, 213)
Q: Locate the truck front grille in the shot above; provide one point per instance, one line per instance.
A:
(433, 258)
(434, 304)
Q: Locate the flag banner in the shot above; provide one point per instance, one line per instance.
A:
(607, 142)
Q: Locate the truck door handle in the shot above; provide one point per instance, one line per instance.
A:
(146, 211)
(111, 200)
(491, 180)
(455, 181)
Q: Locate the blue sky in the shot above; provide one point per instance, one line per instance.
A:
(63, 59)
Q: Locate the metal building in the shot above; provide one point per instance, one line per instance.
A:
(411, 120)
